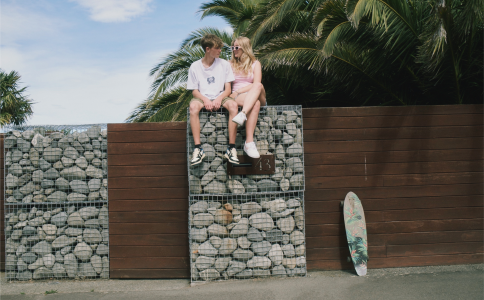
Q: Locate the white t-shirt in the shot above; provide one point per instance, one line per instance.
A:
(210, 82)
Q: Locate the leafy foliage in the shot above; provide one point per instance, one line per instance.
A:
(351, 52)
(15, 108)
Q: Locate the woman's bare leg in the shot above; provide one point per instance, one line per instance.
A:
(252, 96)
(252, 117)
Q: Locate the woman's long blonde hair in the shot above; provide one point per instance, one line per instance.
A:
(243, 63)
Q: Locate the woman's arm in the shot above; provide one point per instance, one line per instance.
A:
(257, 79)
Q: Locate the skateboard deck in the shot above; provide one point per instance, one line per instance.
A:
(355, 225)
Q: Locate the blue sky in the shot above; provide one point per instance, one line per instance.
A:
(88, 61)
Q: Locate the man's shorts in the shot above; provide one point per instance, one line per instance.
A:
(223, 101)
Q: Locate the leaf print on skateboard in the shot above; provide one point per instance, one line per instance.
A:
(354, 218)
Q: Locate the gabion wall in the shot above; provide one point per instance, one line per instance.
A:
(56, 202)
(246, 226)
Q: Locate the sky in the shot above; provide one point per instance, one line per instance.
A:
(88, 61)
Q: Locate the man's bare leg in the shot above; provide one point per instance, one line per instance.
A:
(195, 108)
(232, 107)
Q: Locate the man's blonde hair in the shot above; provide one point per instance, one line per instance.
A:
(243, 63)
(210, 41)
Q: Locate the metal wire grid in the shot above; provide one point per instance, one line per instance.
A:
(247, 236)
(279, 131)
(56, 202)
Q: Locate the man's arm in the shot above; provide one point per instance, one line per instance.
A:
(206, 102)
(218, 101)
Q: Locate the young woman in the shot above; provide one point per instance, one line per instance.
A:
(247, 90)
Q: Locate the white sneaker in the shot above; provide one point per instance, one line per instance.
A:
(240, 118)
(251, 150)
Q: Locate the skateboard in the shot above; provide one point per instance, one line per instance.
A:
(355, 225)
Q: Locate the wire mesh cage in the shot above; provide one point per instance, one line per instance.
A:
(56, 202)
(278, 132)
(247, 236)
(251, 225)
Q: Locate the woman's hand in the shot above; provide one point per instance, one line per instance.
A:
(233, 95)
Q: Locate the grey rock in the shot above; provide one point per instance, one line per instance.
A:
(75, 220)
(261, 221)
(21, 265)
(63, 241)
(299, 218)
(209, 152)
(221, 174)
(73, 173)
(59, 219)
(261, 248)
(76, 197)
(29, 257)
(11, 181)
(37, 198)
(198, 235)
(209, 176)
(49, 260)
(67, 162)
(71, 153)
(289, 250)
(42, 273)
(15, 169)
(216, 241)
(49, 229)
(104, 217)
(82, 163)
(228, 246)
(235, 267)
(297, 182)
(286, 224)
(79, 186)
(58, 165)
(200, 169)
(93, 172)
(92, 223)
(202, 220)
(293, 203)
(247, 273)
(94, 185)
(254, 235)
(70, 264)
(28, 188)
(51, 174)
(97, 264)
(37, 176)
(42, 248)
(102, 250)
(59, 257)
(217, 230)
(37, 221)
(10, 262)
(209, 274)
(241, 228)
(267, 185)
(73, 231)
(215, 187)
(66, 250)
(243, 242)
(86, 270)
(250, 208)
(24, 276)
(59, 271)
(89, 156)
(274, 236)
(260, 262)
(82, 251)
(93, 196)
(295, 164)
(57, 197)
(10, 141)
(235, 187)
(243, 255)
(23, 145)
(207, 249)
(204, 262)
(29, 230)
(46, 183)
(297, 237)
(222, 263)
(52, 154)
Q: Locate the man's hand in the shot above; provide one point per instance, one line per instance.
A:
(216, 103)
(208, 104)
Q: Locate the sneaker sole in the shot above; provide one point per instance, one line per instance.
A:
(250, 155)
(238, 122)
(197, 162)
(232, 161)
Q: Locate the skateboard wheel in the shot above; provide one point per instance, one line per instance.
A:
(341, 204)
(348, 259)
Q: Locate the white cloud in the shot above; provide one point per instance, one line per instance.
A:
(108, 11)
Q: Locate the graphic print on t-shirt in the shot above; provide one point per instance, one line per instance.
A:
(211, 80)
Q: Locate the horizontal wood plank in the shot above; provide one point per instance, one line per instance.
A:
(154, 126)
(392, 110)
(149, 262)
(148, 182)
(149, 217)
(148, 171)
(333, 122)
(435, 249)
(148, 205)
(149, 240)
(149, 273)
(147, 159)
(141, 136)
(148, 194)
(148, 228)
(148, 251)
(147, 148)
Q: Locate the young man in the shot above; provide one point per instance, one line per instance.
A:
(210, 79)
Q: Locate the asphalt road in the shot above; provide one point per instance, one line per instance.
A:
(442, 282)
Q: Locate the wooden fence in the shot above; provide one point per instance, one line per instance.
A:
(418, 171)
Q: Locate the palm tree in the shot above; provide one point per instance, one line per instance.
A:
(15, 108)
